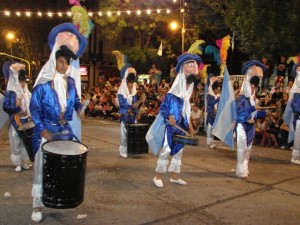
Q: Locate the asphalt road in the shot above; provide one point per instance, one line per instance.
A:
(121, 191)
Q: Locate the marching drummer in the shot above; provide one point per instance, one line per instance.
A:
(212, 100)
(52, 105)
(16, 104)
(176, 110)
(128, 103)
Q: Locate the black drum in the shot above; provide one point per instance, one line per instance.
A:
(186, 140)
(63, 174)
(25, 132)
(136, 138)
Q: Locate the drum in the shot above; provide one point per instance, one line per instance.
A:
(186, 140)
(136, 138)
(25, 132)
(63, 174)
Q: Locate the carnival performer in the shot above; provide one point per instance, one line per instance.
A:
(246, 113)
(128, 103)
(16, 104)
(175, 111)
(51, 106)
(291, 115)
(212, 100)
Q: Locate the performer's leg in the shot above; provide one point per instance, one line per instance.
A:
(162, 163)
(37, 188)
(296, 149)
(175, 168)
(241, 152)
(123, 145)
(210, 137)
(18, 151)
(248, 153)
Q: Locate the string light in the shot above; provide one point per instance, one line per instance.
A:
(91, 14)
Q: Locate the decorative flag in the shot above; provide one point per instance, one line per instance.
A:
(226, 115)
(159, 52)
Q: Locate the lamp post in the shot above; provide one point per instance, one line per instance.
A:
(10, 37)
(174, 25)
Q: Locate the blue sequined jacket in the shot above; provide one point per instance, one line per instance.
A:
(124, 107)
(210, 102)
(9, 106)
(295, 104)
(173, 105)
(45, 109)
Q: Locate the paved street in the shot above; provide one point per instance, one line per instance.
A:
(121, 191)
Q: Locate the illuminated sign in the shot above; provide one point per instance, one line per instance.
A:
(83, 70)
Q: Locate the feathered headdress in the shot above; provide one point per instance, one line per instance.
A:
(214, 51)
(223, 45)
(203, 69)
(121, 62)
(295, 59)
(195, 47)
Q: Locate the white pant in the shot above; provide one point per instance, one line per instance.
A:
(123, 145)
(243, 152)
(163, 161)
(210, 137)
(37, 188)
(296, 148)
(17, 148)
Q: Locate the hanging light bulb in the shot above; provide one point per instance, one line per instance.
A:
(138, 12)
(108, 13)
(7, 13)
(100, 13)
(28, 14)
(148, 11)
(18, 13)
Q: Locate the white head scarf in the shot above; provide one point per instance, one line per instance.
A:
(24, 94)
(48, 72)
(123, 90)
(179, 89)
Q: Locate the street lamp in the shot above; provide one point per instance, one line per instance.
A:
(174, 26)
(10, 37)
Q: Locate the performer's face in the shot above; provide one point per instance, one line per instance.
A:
(256, 71)
(69, 39)
(23, 84)
(190, 67)
(130, 85)
(61, 65)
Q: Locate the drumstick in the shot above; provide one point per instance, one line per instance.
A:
(179, 128)
(62, 132)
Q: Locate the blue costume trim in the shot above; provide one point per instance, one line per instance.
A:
(295, 104)
(45, 111)
(173, 105)
(124, 107)
(9, 106)
(210, 101)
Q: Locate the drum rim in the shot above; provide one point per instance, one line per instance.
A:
(44, 150)
(137, 124)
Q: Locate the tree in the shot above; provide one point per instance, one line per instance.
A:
(262, 27)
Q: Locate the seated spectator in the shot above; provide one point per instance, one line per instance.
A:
(261, 132)
(284, 132)
(236, 88)
(277, 95)
(195, 118)
(288, 88)
(274, 124)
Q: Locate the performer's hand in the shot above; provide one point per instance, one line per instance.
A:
(18, 102)
(80, 115)
(257, 107)
(191, 131)
(172, 120)
(47, 135)
(251, 121)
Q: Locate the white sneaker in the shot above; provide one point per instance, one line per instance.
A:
(212, 146)
(18, 169)
(158, 182)
(296, 161)
(123, 154)
(25, 166)
(179, 181)
(36, 216)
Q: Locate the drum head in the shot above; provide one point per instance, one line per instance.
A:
(65, 147)
(137, 125)
(186, 140)
(27, 126)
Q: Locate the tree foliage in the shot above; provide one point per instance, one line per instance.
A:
(262, 27)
